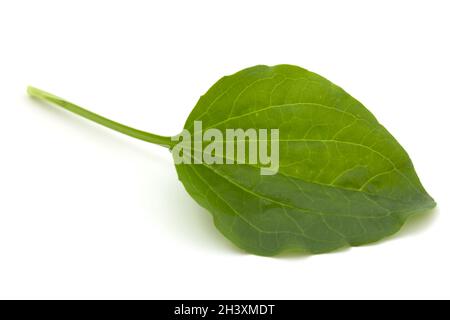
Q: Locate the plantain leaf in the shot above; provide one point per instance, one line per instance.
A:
(343, 179)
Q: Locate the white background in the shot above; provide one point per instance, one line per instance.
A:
(88, 213)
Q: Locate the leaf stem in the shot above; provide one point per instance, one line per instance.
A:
(138, 134)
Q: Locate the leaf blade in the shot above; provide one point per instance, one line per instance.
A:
(343, 179)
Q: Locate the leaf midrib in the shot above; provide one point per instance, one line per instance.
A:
(320, 183)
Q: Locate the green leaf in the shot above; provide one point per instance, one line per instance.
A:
(343, 179)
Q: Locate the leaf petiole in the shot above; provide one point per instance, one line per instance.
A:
(138, 134)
